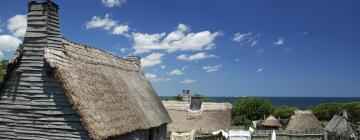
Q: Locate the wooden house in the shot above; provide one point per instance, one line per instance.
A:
(57, 89)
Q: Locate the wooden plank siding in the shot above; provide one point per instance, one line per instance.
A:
(33, 105)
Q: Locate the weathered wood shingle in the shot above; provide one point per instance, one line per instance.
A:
(32, 103)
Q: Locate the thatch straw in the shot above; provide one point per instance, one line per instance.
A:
(212, 117)
(111, 95)
(271, 121)
(303, 121)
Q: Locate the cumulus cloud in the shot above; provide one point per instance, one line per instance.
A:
(210, 69)
(150, 75)
(108, 24)
(121, 30)
(176, 72)
(246, 38)
(195, 57)
(152, 60)
(180, 39)
(113, 3)
(155, 78)
(9, 43)
(279, 41)
(17, 25)
(188, 81)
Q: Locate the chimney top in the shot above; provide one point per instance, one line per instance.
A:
(135, 59)
(344, 113)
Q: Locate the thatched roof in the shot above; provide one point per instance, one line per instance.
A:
(111, 95)
(271, 121)
(303, 120)
(212, 116)
(339, 125)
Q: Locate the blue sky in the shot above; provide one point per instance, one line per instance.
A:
(217, 47)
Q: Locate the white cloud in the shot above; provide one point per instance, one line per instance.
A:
(152, 60)
(123, 50)
(150, 76)
(210, 69)
(197, 56)
(9, 43)
(109, 24)
(162, 66)
(259, 70)
(188, 81)
(121, 30)
(17, 25)
(180, 39)
(176, 72)
(155, 78)
(280, 41)
(113, 3)
(1, 55)
(246, 38)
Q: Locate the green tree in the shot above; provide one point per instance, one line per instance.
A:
(3, 68)
(326, 111)
(176, 98)
(250, 108)
(283, 112)
(353, 110)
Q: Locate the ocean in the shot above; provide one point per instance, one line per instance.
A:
(299, 102)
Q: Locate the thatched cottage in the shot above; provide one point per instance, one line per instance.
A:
(56, 89)
(270, 123)
(303, 121)
(204, 117)
(340, 128)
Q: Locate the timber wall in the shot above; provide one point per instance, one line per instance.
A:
(32, 103)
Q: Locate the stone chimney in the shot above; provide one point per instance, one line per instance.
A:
(186, 96)
(135, 59)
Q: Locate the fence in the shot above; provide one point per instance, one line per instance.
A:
(290, 135)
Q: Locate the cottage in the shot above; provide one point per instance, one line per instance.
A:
(270, 123)
(304, 121)
(204, 117)
(57, 89)
(340, 128)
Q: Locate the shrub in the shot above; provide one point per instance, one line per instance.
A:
(249, 108)
(3, 68)
(283, 112)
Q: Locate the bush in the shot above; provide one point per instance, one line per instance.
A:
(353, 110)
(3, 67)
(326, 111)
(283, 112)
(176, 98)
(249, 108)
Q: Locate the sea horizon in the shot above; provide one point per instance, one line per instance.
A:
(298, 102)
